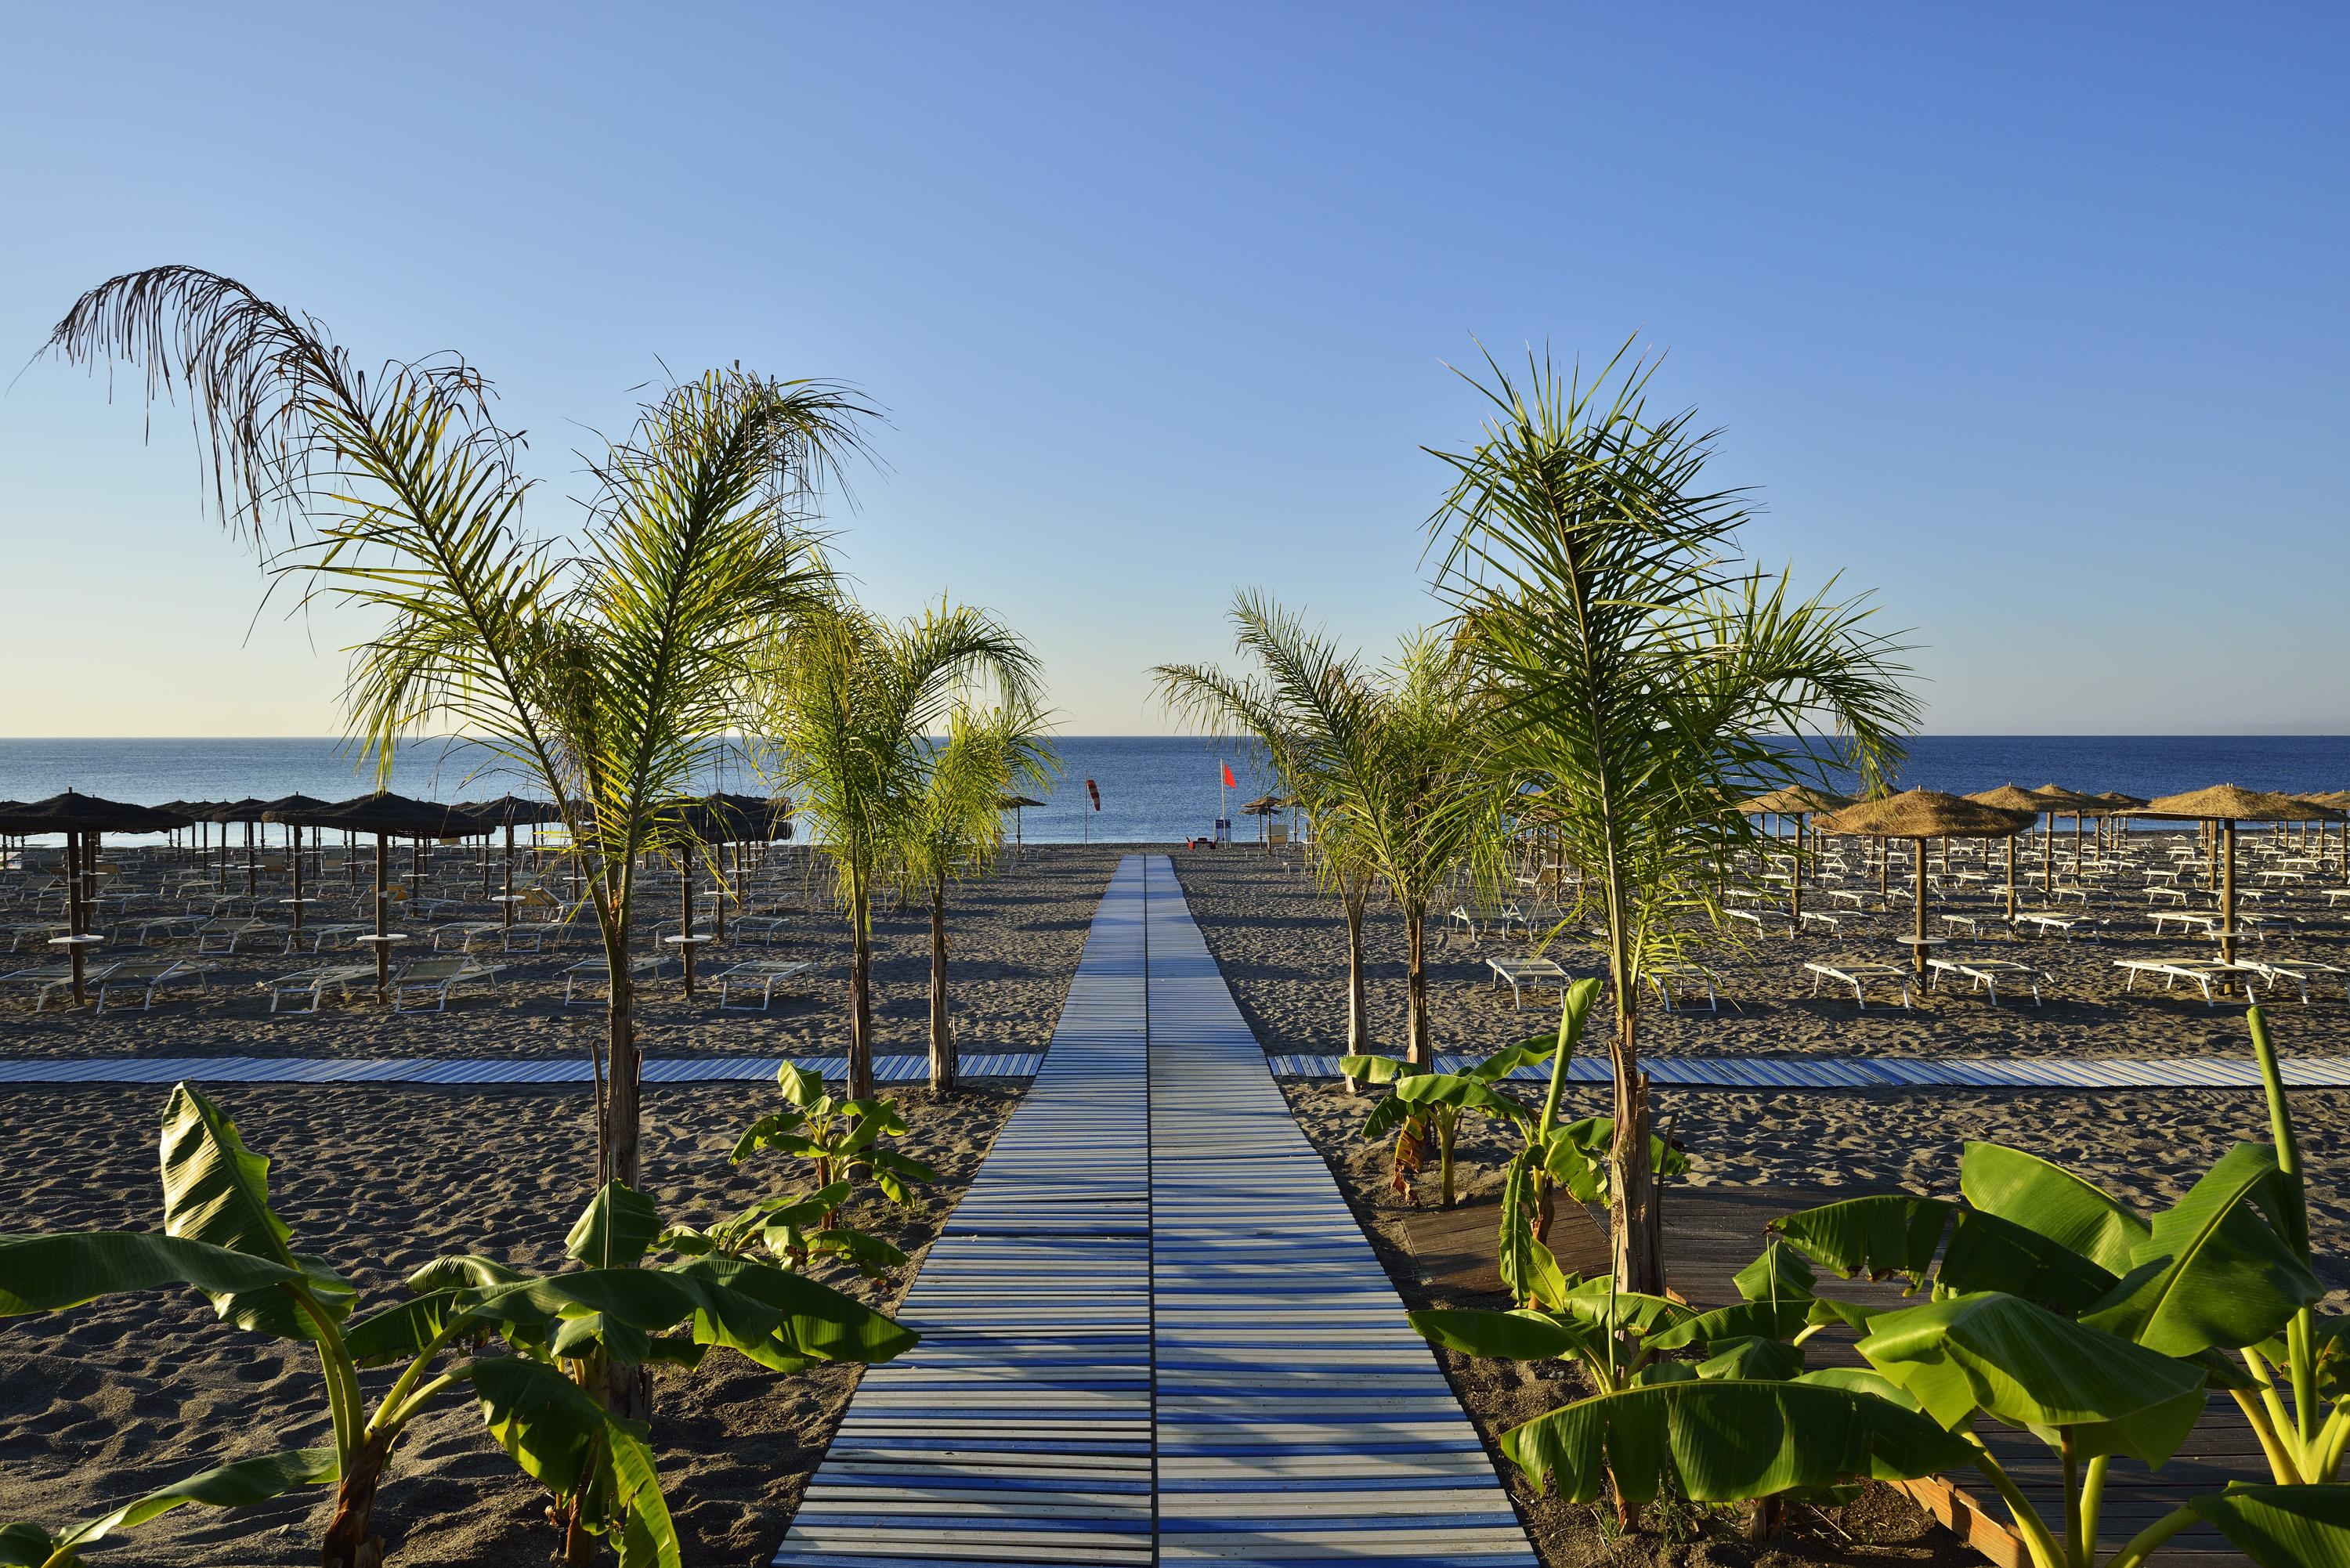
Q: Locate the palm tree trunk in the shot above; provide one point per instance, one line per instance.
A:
(860, 993)
(942, 1061)
(1358, 1028)
(1421, 1047)
(1635, 1219)
(620, 1158)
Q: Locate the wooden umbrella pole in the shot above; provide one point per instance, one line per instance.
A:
(382, 918)
(686, 929)
(2011, 884)
(1917, 948)
(508, 905)
(73, 910)
(1796, 881)
(2228, 892)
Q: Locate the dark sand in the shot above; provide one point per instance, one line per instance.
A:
(1015, 935)
(105, 1402)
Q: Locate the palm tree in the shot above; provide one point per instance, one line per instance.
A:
(1643, 682)
(610, 666)
(1420, 803)
(847, 703)
(955, 826)
(1306, 708)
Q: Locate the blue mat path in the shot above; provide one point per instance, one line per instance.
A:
(1912, 1072)
(1153, 1332)
(468, 1070)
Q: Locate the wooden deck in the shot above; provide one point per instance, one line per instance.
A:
(1152, 1331)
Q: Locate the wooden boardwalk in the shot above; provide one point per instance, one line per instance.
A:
(1832, 1072)
(474, 1069)
(1153, 1331)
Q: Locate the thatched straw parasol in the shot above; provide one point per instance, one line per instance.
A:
(1015, 805)
(295, 811)
(2009, 797)
(386, 816)
(82, 818)
(2226, 805)
(2062, 801)
(1265, 807)
(510, 812)
(1919, 815)
(1801, 801)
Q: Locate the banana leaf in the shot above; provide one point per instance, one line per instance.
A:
(892, 1171)
(2019, 1363)
(463, 1270)
(1877, 1237)
(800, 1086)
(565, 1441)
(1781, 1273)
(48, 1271)
(1753, 1357)
(1746, 1320)
(777, 1132)
(2283, 1526)
(2047, 1198)
(401, 1333)
(240, 1484)
(817, 1322)
(1376, 1069)
(2211, 1271)
(215, 1191)
(1986, 1253)
(1518, 1335)
(1722, 1440)
(616, 1230)
(1525, 1265)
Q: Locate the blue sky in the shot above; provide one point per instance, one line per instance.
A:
(2031, 318)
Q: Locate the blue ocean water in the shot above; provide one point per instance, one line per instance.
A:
(1153, 789)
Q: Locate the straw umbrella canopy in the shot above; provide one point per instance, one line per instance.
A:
(2226, 805)
(2116, 802)
(82, 818)
(2335, 800)
(1919, 815)
(1015, 805)
(386, 816)
(510, 812)
(2062, 801)
(2010, 797)
(1265, 807)
(1801, 801)
(249, 812)
(295, 811)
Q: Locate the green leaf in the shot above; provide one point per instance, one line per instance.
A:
(815, 1321)
(461, 1269)
(1986, 1253)
(565, 1441)
(2019, 1363)
(616, 1230)
(869, 1253)
(1717, 1440)
(402, 1332)
(1781, 1273)
(49, 1273)
(1375, 1069)
(2047, 1198)
(1768, 1320)
(1525, 1265)
(761, 1133)
(2211, 1271)
(215, 1191)
(240, 1484)
(2283, 1526)
(1518, 1335)
(800, 1086)
(1877, 1237)
(1753, 1357)
(24, 1544)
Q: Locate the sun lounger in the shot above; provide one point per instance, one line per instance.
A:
(1857, 974)
(2063, 925)
(1525, 972)
(1815, 917)
(1846, 896)
(2301, 970)
(466, 932)
(49, 978)
(760, 928)
(2166, 896)
(315, 983)
(1986, 974)
(1966, 923)
(316, 937)
(595, 968)
(2188, 920)
(765, 975)
(221, 936)
(145, 976)
(171, 927)
(436, 978)
(1687, 977)
(1752, 918)
(37, 934)
(2198, 972)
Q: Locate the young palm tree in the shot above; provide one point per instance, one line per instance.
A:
(1307, 708)
(1420, 802)
(848, 702)
(1643, 681)
(610, 668)
(955, 827)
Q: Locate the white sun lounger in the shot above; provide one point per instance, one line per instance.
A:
(1835, 923)
(1986, 974)
(436, 978)
(2198, 972)
(2300, 972)
(1688, 978)
(221, 936)
(316, 937)
(760, 928)
(466, 932)
(2187, 918)
(765, 975)
(2063, 925)
(1521, 973)
(1857, 973)
(145, 976)
(315, 982)
(595, 968)
(48, 978)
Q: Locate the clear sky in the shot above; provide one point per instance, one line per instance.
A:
(2032, 317)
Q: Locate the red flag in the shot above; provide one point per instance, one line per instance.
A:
(1094, 793)
(1229, 781)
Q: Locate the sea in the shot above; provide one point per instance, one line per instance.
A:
(1149, 789)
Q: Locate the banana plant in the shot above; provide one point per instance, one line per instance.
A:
(1711, 1406)
(221, 1237)
(2055, 1308)
(793, 1231)
(842, 1137)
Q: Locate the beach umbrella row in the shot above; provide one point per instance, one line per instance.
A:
(2227, 805)
(1920, 814)
(83, 818)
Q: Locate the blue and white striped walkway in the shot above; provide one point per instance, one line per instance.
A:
(471, 1070)
(1912, 1072)
(1153, 1331)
